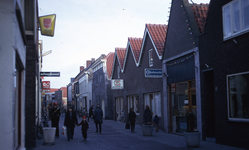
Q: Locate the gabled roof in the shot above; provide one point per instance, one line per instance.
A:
(157, 34)
(200, 13)
(135, 46)
(109, 63)
(121, 56)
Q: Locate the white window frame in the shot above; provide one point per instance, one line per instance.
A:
(228, 99)
(154, 104)
(132, 103)
(150, 57)
(119, 105)
(232, 33)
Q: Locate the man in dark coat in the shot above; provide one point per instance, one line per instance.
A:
(69, 122)
(132, 119)
(90, 112)
(55, 117)
(98, 118)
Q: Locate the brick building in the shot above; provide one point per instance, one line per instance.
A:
(225, 74)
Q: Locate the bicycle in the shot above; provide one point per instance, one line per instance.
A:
(121, 117)
(39, 131)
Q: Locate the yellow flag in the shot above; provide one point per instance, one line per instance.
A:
(47, 24)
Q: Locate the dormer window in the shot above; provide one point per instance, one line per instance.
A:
(235, 18)
(150, 58)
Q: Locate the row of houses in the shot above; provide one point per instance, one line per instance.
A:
(197, 63)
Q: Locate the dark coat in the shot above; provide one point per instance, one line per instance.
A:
(132, 116)
(84, 126)
(55, 114)
(70, 122)
(147, 115)
(98, 115)
(91, 111)
(156, 120)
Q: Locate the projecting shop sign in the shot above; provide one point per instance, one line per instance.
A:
(117, 84)
(50, 74)
(153, 73)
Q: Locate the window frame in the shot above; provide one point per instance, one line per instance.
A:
(228, 99)
(130, 99)
(241, 31)
(151, 58)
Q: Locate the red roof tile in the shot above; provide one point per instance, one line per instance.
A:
(136, 44)
(109, 63)
(121, 55)
(158, 35)
(200, 13)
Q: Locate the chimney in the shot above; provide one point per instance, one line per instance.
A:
(82, 68)
(88, 62)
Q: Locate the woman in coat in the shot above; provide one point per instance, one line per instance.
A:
(132, 119)
(70, 122)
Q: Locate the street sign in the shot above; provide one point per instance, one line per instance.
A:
(153, 73)
(117, 84)
(50, 74)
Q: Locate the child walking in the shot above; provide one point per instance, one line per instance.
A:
(84, 127)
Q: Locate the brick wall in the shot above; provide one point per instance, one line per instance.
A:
(31, 61)
(224, 57)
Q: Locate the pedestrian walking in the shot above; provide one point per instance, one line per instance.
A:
(55, 118)
(132, 119)
(90, 112)
(147, 115)
(98, 118)
(84, 127)
(156, 123)
(70, 122)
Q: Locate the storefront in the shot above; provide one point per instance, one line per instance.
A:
(182, 101)
(153, 100)
(119, 106)
(182, 92)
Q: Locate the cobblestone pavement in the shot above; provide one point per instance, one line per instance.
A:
(114, 136)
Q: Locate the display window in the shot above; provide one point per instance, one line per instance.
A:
(183, 101)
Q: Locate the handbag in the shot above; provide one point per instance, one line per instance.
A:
(127, 126)
(64, 131)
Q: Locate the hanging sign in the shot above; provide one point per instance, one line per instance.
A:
(47, 24)
(50, 74)
(117, 84)
(153, 73)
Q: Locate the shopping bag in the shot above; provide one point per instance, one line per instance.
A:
(127, 126)
(64, 131)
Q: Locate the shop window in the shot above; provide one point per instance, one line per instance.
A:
(235, 18)
(119, 105)
(183, 101)
(151, 58)
(153, 100)
(133, 102)
(238, 96)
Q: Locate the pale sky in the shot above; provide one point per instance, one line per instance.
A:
(85, 29)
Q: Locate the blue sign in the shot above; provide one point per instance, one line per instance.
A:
(153, 73)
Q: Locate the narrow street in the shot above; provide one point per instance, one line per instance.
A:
(114, 136)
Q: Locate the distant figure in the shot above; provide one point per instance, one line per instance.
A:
(156, 123)
(147, 115)
(69, 122)
(55, 118)
(132, 119)
(98, 118)
(84, 127)
(90, 112)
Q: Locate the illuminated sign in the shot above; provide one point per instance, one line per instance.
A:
(47, 24)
